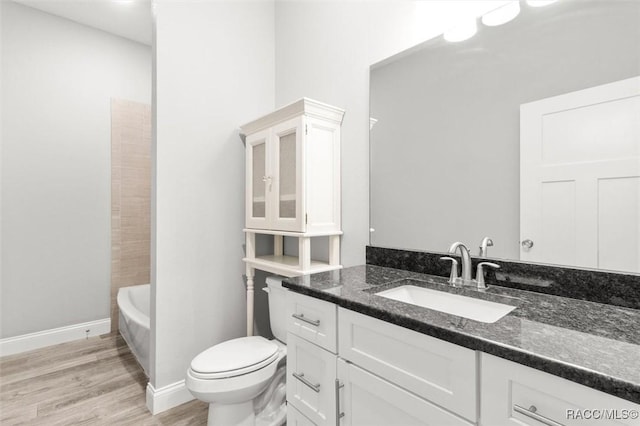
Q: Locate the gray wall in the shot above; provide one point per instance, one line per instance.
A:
(57, 81)
(445, 151)
(214, 70)
(324, 51)
(321, 53)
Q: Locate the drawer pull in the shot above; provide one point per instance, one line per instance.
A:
(316, 388)
(301, 317)
(339, 414)
(532, 413)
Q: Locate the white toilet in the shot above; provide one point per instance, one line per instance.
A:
(243, 379)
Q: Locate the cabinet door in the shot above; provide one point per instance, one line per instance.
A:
(259, 180)
(435, 370)
(366, 399)
(295, 418)
(287, 171)
(312, 319)
(311, 375)
(515, 395)
(322, 175)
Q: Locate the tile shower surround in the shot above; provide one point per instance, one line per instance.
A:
(130, 197)
(611, 288)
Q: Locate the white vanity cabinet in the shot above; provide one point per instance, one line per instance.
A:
(513, 394)
(357, 370)
(350, 369)
(311, 359)
(432, 369)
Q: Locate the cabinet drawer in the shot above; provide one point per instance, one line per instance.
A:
(295, 417)
(312, 319)
(510, 390)
(431, 368)
(369, 400)
(311, 374)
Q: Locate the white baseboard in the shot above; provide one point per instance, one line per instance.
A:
(41, 339)
(167, 397)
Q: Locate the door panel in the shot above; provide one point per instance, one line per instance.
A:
(619, 223)
(259, 180)
(580, 178)
(311, 374)
(516, 395)
(366, 399)
(288, 212)
(431, 368)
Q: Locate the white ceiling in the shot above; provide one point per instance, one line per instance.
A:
(127, 18)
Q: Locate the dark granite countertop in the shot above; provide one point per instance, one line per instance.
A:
(593, 344)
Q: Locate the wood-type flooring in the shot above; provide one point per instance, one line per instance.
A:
(96, 381)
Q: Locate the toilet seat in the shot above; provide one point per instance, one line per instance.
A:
(233, 358)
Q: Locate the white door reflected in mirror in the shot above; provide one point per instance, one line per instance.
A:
(580, 177)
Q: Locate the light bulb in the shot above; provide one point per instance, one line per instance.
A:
(502, 15)
(462, 31)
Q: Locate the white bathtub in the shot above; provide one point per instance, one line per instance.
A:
(134, 304)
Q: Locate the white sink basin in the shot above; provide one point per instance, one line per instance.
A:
(462, 306)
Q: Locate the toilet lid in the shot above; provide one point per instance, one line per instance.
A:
(235, 357)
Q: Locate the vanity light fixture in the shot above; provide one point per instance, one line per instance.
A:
(502, 15)
(540, 3)
(507, 11)
(463, 31)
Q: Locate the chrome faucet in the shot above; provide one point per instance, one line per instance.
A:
(486, 242)
(466, 279)
(466, 261)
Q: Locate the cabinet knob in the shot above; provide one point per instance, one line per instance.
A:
(527, 244)
(265, 179)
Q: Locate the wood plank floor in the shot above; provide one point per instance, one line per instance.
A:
(87, 382)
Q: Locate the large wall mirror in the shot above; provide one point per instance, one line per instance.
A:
(528, 133)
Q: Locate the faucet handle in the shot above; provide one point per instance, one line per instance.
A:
(453, 276)
(480, 273)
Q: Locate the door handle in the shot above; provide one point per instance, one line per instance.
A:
(339, 414)
(532, 413)
(316, 387)
(301, 317)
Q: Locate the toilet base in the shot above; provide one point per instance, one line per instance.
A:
(231, 414)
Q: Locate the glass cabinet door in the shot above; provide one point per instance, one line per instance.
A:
(258, 181)
(287, 158)
(287, 174)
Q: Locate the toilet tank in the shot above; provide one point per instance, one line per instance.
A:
(277, 308)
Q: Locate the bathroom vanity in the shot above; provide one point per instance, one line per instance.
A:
(458, 128)
(357, 358)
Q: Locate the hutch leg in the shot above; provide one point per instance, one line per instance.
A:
(251, 254)
(334, 250)
(250, 245)
(250, 276)
(278, 245)
(304, 253)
